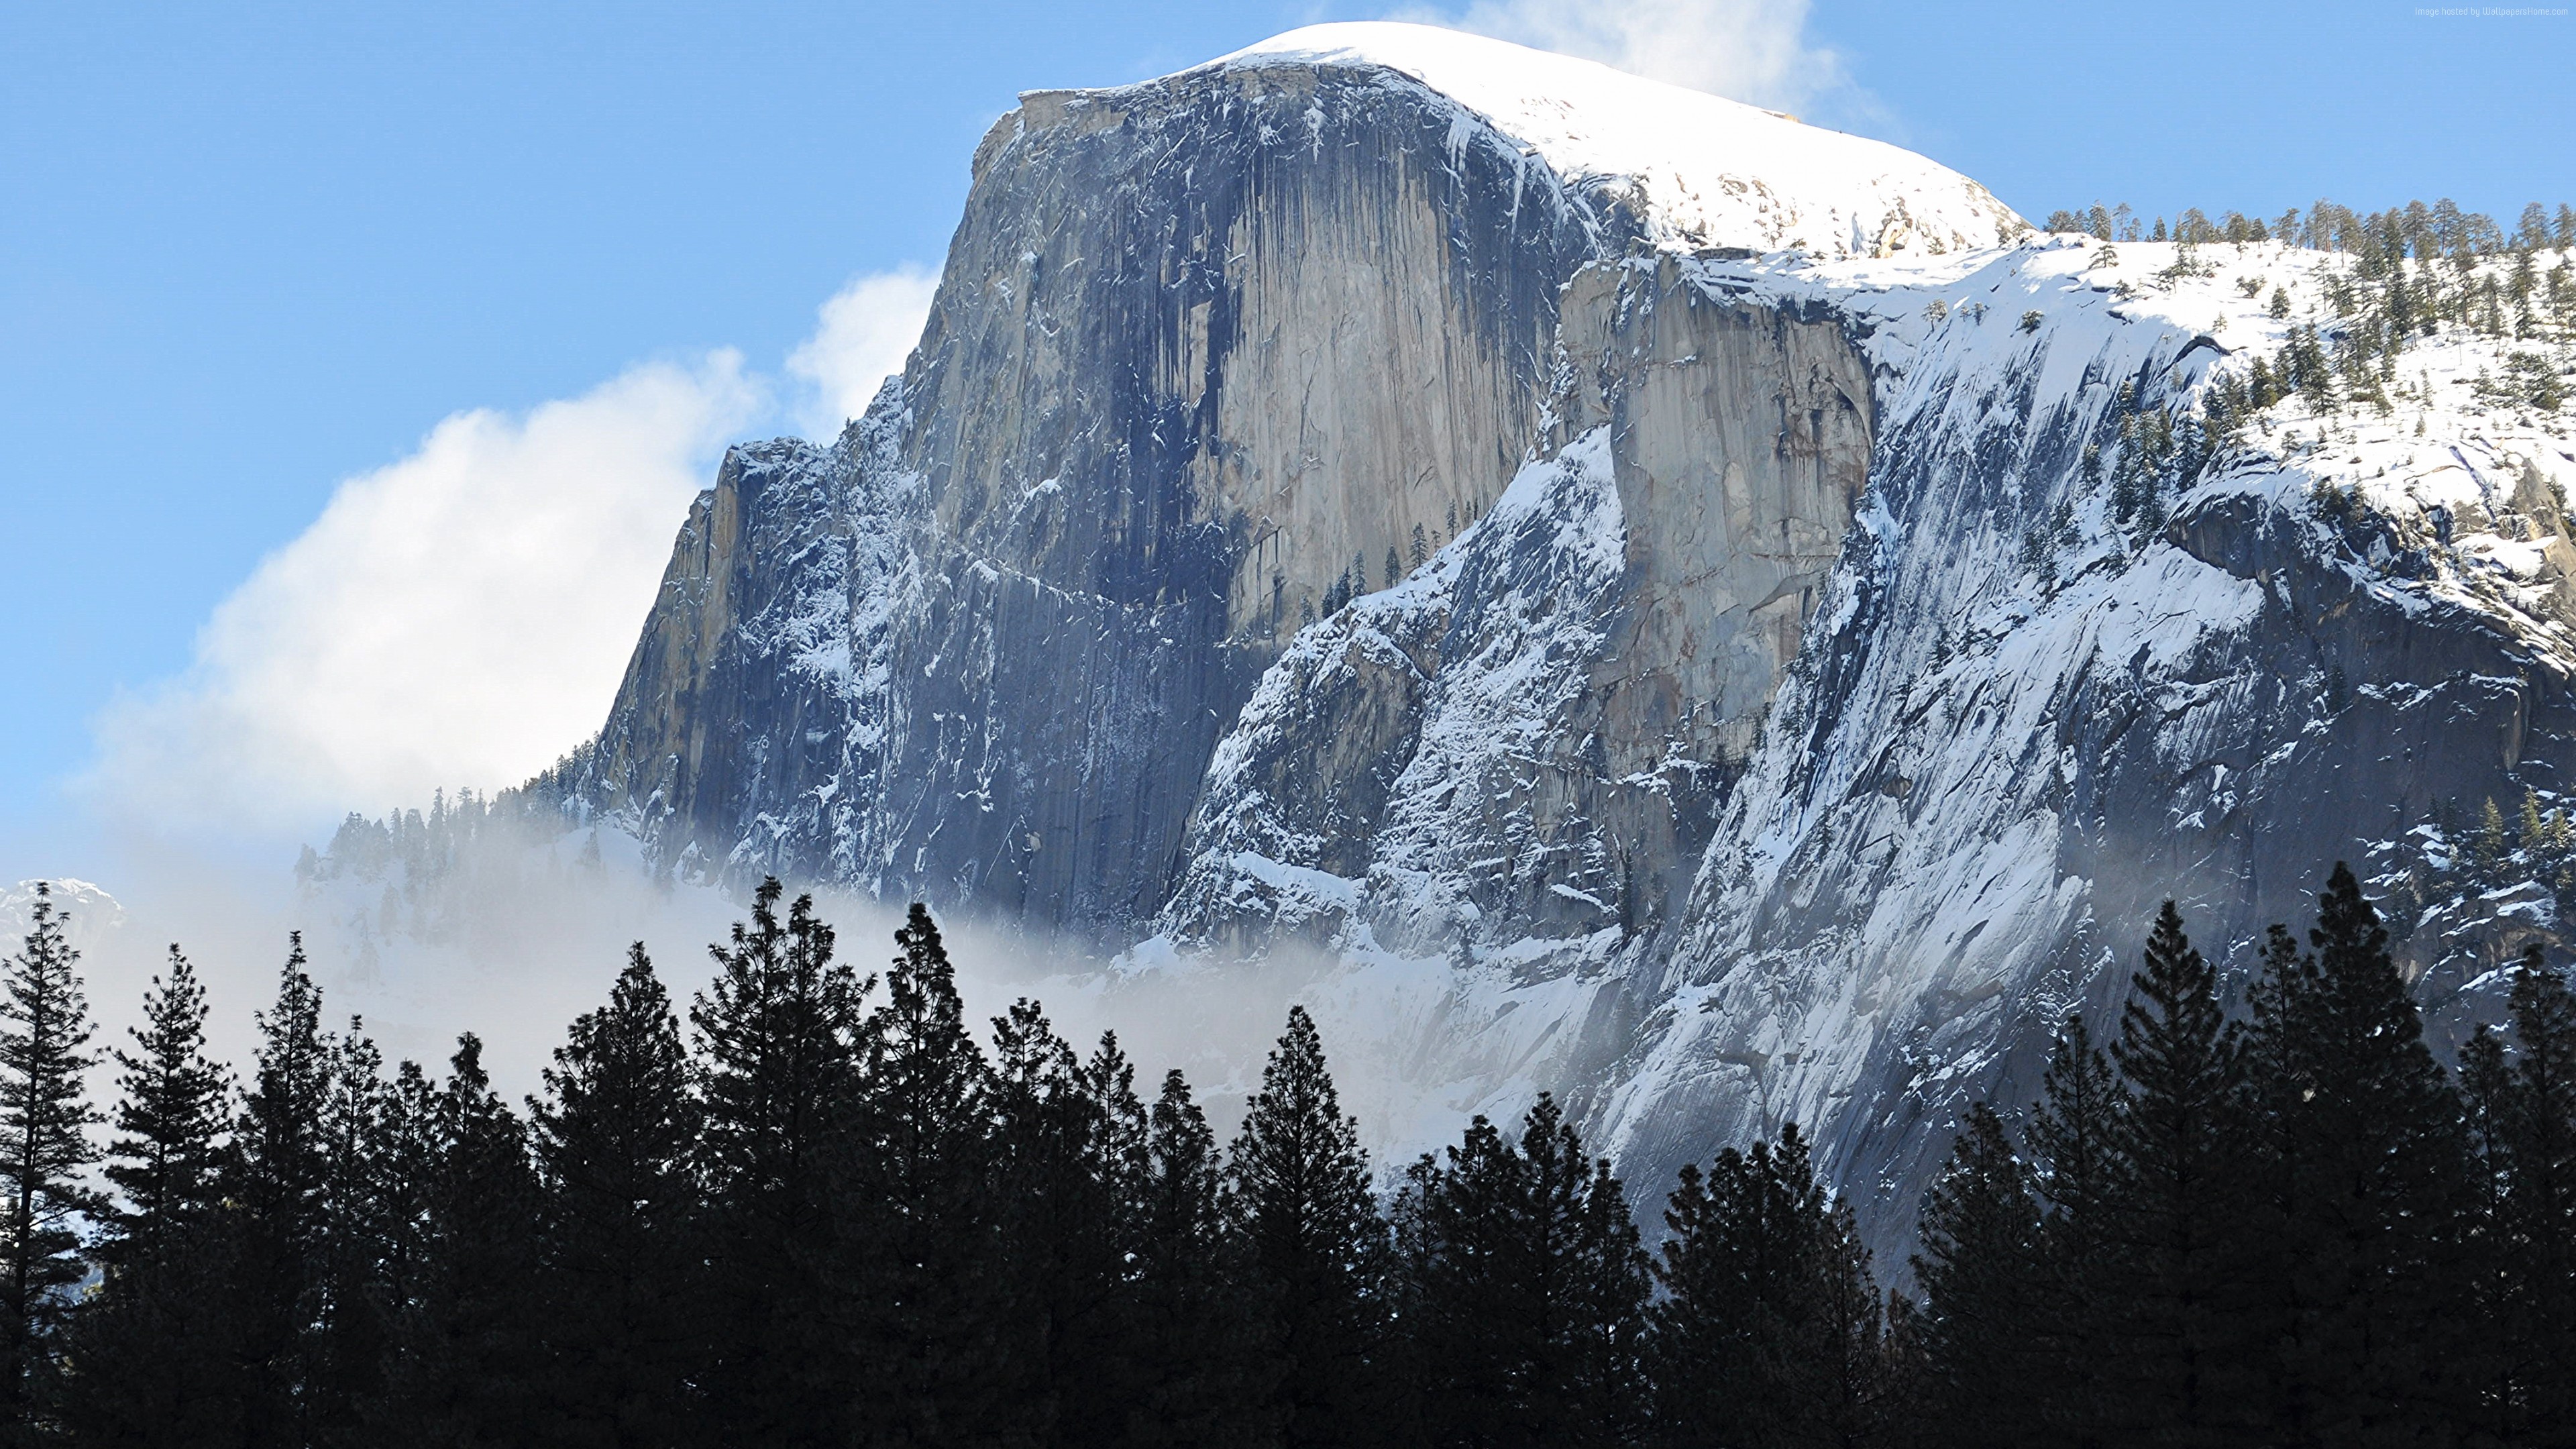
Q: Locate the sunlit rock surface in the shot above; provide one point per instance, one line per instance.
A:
(1702, 614)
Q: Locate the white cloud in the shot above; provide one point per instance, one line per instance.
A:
(866, 332)
(1746, 50)
(462, 616)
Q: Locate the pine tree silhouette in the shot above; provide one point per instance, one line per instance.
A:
(1770, 1328)
(148, 1353)
(2073, 1141)
(469, 1349)
(274, 1182)
(2522, 1112)
(2180, 1150)
(778, 1066)
(410, 1132)
(44, 1151)
(1523, 1293)
(616, 1281)
(929, 1227)
(364, 1237)
(1593, 1283)
(1458, 1277)
(1979, 1270)
(1208, 1367)
(1067, 1147)
(170, 1123)
(2366, 1176)
(1298, 1192)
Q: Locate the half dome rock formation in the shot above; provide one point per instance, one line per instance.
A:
(1207, 352)
(1705, 614)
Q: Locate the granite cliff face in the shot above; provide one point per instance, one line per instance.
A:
(1539, 731)
(1208, 353)
(2023, 721)
(1196, 349)
(1693, 612)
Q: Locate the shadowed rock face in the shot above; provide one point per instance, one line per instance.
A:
(1201, 349)
(1705, 860)
(1741, 443)
(1538, 734)
(1751, 708)
(1977, 787)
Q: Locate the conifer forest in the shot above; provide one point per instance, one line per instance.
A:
(1726, 789)
(817, 1206)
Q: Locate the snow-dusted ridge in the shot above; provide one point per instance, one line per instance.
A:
(1709, 172)
(2023, 710)
(1802, 624)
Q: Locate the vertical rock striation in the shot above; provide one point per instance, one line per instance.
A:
(1209, 355)
(1537, 733)
(1202, 350)
(1605, 564)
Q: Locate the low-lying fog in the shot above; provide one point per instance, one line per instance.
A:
(510, 933)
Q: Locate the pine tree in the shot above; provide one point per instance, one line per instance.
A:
(1103, 1353)
(1067, 1153)
(2366, 1176)
(778, 1061)
(2274, 1060)
(1769, 1330)
(612, 1137)
(149, 1351)
(2523, 1111)
(2127, 487)
(410, 1143)
(1854, 1363)
(275, 1181)
(2179, 1154)
(1610, 1280)
(1524, 1291)
(1298, 1192)
(2492, 845)
(2503, 1377)
(1207, 1367)
(1451, 1291)
(44, 1149)
(929, 1220)
(2072, 1138)
(170, 1124)
(469, 1350)
(351, 1344)
(1979, 1272)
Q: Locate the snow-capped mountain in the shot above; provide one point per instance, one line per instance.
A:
(1692, 170)
(1709, 615)
(88, 912)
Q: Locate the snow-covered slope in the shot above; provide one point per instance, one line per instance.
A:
(1699, 614)
(2083, 647)
(89, 911)
(1704, 172)
(2031, 717)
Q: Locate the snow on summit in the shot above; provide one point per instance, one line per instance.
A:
(1709, 172)
(1659, 601)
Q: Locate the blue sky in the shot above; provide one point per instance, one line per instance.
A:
(247, 256)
